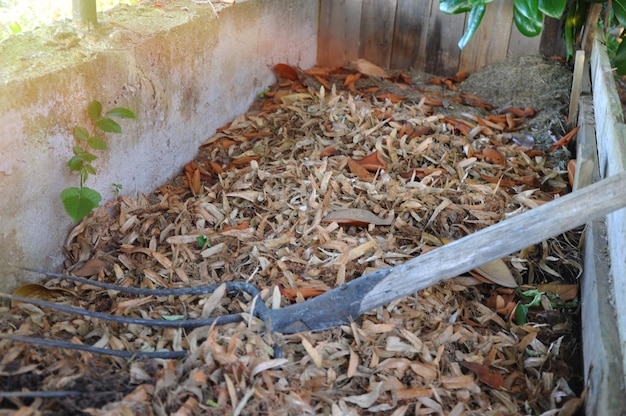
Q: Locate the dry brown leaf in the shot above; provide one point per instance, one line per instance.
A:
(360, 171)
(356, 217)
(497, 272)
(286, 71)
(306, 293)
(493, 380)
(373, 162)
(90, 268)
(367, 68)
(566, 292)
(37, 291)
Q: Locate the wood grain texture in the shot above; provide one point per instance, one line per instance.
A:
(611, 142)
(377, 23)
(410, 34)
(497, 241)
(402, 34)
(339, 32)
(520, 45)
(491, 41)
(442, 52)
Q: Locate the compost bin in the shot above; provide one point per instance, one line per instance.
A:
(332, 174)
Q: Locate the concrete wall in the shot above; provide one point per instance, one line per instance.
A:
(181, 69)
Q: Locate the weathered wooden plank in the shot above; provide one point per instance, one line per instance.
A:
(602, 354)
(444, 31)
(496, 241)
(410, 34)
(377, 26)
(552, 42)
(520, 45)
(491, 41)
(611, 140)
(339, 32)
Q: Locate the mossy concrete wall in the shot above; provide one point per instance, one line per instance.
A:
(184, 71)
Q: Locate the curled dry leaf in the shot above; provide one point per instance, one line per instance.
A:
(497, 272)
(90, 268)
(367, 68)
(286, 71)
(356, 217)
(37, 291)
(372, 162)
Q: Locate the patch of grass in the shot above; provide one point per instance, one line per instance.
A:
(24, 15)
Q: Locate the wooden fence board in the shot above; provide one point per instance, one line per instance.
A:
(403, 34)
(377, 23)
(339, 32)
(444, 31)
(491, 41)
(520, 45)
(410, 34)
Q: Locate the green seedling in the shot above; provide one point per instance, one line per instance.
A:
(117, 187)
(80, 201)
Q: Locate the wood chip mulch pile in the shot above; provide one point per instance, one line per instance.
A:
(331, 175)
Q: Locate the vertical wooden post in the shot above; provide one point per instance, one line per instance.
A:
(84, 12)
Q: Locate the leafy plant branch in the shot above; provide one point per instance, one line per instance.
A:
(528, 16)
(80, 201)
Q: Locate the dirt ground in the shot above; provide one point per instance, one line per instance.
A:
(419, 161)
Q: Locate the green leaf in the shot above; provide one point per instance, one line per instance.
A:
(521, 311)
(94, 109)
(552, 8)
(90, 169)
(75, 163)
(201, 240)
(121, 112)
(455, 6)
(97, 143)
(619, 9)
(527, 17)
(109, 125)
(620, 58)
(83, 154)
(81, 133)
(173, 317)
(79, 202)
(15, 28)
(473, 21)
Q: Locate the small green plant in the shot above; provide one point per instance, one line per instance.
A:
(117, 187)
(80, 201)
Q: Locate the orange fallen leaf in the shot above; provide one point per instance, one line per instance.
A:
(318, 71)
(242, 161)
(394, 98)
(306, 293)
(565, 292)
(241, 226)
(362, 173)
(286, 71)
(492, 154)
(563, 141)
(493, 380)
(193, 177)
(460, 76)
(214, 167)
(475, 101)
(372, 162)
(329, 151)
